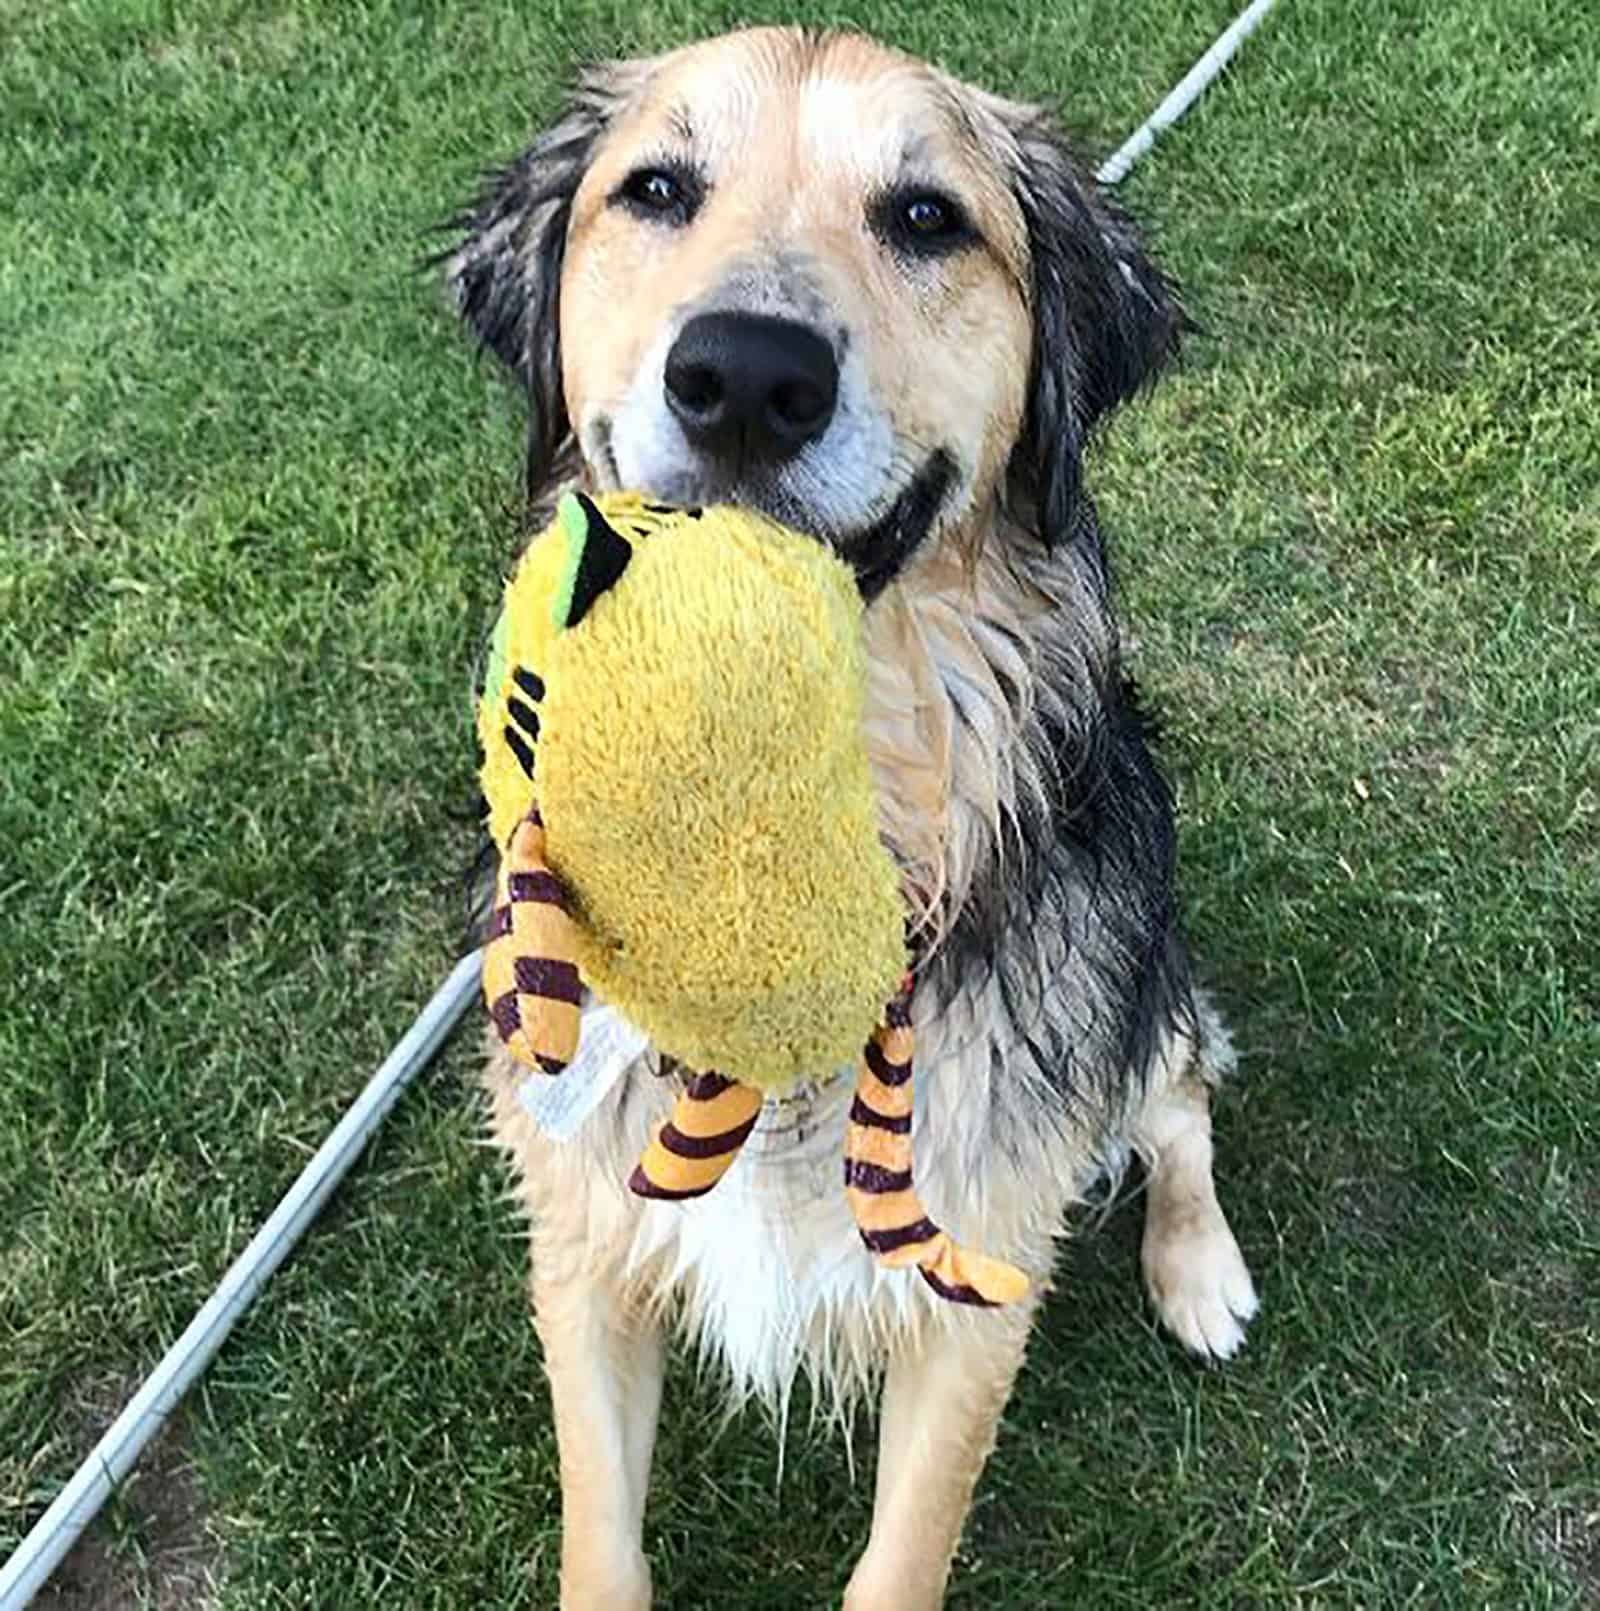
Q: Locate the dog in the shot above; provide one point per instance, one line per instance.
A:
(802, 272)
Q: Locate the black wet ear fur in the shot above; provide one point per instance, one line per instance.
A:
(1106, 321)
(505, 277)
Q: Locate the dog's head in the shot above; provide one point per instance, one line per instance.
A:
(809, 274)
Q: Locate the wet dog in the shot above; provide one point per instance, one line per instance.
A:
(805, 273)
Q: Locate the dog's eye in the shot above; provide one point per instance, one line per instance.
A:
(669, 194)
(922, 223)
(926, 215)
(652, 188)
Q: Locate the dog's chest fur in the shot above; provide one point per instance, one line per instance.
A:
(768, 1273)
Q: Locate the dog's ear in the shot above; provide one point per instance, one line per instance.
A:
(1106, 320)
(504, 278)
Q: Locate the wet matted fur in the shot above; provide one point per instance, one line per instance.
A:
(985, 305)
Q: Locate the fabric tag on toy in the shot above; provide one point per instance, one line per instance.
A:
(608, 1046)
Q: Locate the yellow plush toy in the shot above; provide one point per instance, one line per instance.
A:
(676, 780)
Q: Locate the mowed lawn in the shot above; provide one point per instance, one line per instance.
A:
(255, 493)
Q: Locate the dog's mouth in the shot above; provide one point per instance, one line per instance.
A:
(881, 552)
(877, 552)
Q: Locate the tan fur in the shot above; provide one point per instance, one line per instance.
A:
(941, 1406)
(796, 132)
(790, 130)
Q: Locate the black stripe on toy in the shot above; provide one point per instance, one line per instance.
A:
(530, 683)
(641, 1185)
(544, 976)
(724, 1141)
(875, 1178)
(519, 749)
(706, 1087)
(897, 1236)
(889, 1073)
(956, 1294)
(543, 888)
(504, 1012)
(897, 1123)
(524, 715)
(604, 558)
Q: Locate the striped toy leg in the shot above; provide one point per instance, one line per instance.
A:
(530, 980)
(877, 1176)
(695, 1148)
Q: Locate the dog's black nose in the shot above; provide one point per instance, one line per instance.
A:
(748, 386)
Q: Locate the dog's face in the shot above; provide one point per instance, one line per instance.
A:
(811, 275)
(796, 279)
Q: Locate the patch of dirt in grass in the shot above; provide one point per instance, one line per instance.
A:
(151, 1548)
(1373, 1212)
(1571, 1534)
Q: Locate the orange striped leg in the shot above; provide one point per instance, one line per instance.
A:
(877, 1176)
(530, 978)
(694, 1149)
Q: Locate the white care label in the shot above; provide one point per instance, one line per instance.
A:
(608, 1047)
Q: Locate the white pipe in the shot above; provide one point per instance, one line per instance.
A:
(113, 1456)
(1185, 94)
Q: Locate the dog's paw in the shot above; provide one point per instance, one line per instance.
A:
(1200, 1286)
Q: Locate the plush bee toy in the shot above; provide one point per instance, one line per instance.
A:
(677, 783)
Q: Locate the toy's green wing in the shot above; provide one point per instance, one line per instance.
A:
(596, 557)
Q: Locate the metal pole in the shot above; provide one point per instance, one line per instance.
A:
(114, 1455)
(1185, 94)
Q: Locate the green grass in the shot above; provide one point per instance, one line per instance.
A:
(254, 492)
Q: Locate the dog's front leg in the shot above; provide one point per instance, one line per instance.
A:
(604, 1360)
(942, 1399)
(1192, 1265)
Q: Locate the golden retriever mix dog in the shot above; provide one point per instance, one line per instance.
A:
(803, 272)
